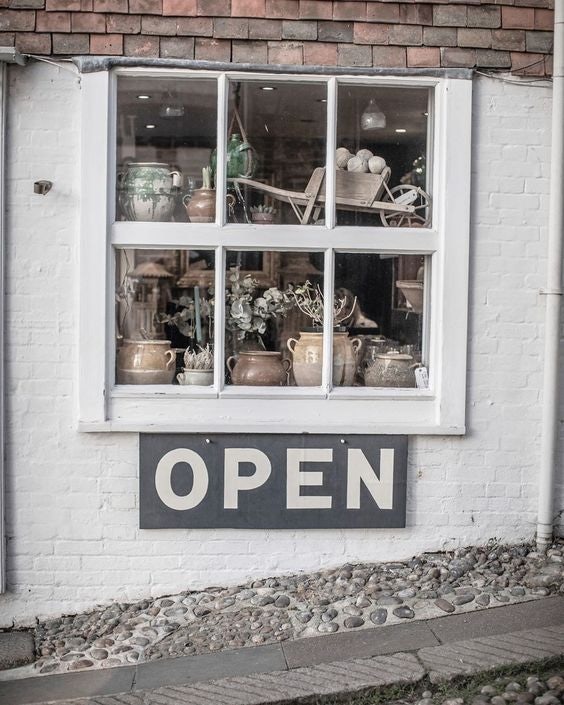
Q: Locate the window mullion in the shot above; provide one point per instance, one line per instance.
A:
(331, 145)
(221, 161)
(219, 319)
(328, 286)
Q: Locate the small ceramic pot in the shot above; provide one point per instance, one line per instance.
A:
(259, 369)
(307, 354)
(262, 218)
(147, 191)
(201, 378)
(145, 362)
(201, 206)
(391, 369)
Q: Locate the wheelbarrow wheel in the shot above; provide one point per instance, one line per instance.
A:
(414, 196)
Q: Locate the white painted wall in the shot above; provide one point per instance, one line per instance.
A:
(73, 540)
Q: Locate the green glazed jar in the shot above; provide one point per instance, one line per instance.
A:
(241, 159)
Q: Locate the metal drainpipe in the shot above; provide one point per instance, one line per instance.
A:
(553, 293)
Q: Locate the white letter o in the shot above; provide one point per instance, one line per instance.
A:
(163, 475)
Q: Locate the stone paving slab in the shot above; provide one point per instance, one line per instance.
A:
(16, 649)
(475, 655)
(368, 642)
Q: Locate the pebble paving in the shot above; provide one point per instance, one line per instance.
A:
(347, 598)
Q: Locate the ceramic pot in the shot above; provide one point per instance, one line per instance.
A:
(148, 190)
(201, 206)
(307, 354)
(259, 369)
(241, 158)
(262, 218)
(201, 378)
(145, 362)
(391, 369)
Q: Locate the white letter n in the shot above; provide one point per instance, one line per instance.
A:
(359, 469)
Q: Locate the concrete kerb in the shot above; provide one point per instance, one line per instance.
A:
(439, 649)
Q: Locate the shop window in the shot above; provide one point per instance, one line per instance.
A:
(286, 249)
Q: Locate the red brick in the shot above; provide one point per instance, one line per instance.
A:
(165, 26)
(488, 17)
(55, 5)
(230, 28)
(180, 8)
(540, 42)
(528, 64)
(517, 17)
(245, 52)
(110, 6)
(7, 39)
(548, 4)
(123, 24)
(458, 58)
(53, 22)
(440, 36)
(383, 12)
(320, 54)
(475, 38)
(138, 45)
(88, 22)
(349, 10)
(33, 43)
(71, 44)
(335, 31)
(407, 35)
(23, 4)
(194, 26)
(371, 33)
(299, 29)
(214, 8)
(509, 39)
(146, 7)
(86, 5)
(106, 44)
(316, 10)
(17, 20)
(283, 9)
(248, 8)
(423, 57)
(177, 47)
(212, 50)
(449, 16)
(265, 29)
(285, 53)
(421, 13)
(389, 57)
(544, 19)
(354, 55)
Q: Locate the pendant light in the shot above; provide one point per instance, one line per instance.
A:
(372, 117)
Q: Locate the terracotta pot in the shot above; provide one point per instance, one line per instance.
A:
(262, 218)
(259, 369)
(147, 191)
(201, 378)
(145, 362)
(201, 206)
(307, 354)
(391, 370)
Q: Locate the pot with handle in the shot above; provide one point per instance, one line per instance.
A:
(259, 368)
(307, 353)
(146, 362)
(147, 191)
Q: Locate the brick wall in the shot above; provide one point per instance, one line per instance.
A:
(511, 35)
(72, 498)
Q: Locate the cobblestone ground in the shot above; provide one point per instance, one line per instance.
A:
(349, 597)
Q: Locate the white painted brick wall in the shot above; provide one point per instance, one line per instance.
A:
(72, 498)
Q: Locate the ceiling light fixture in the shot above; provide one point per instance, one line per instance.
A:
(143, 97)
(401, 130)
(267, 88)
(150, 127)
(372, 117)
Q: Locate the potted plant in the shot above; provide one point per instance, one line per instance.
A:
(198, 367)
(262, 214)
(307, 351)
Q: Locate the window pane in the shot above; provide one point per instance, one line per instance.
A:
(276, 152)
(270, 339)
(380, 314)
(382, 156)
(166, 131)
(164, 317)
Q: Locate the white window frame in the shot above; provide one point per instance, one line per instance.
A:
(437, 410)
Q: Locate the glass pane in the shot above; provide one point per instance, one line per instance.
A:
(274, 319)
(382, 156)
(164, 317)
(380, 339)
(166, 131)
(276, 152)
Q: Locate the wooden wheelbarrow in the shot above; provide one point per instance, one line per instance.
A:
(402, 205)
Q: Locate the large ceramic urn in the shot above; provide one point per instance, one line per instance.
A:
(259, 368)
(145, 362)
(148, 191)
(307, 352)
